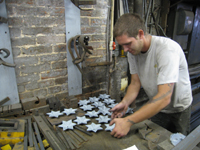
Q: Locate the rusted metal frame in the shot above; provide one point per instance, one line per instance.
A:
(38, 136)
(190, 141)
(9, 124)
(49, 134)
(26, 136)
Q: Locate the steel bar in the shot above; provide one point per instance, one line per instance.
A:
(68, 140)
(49, 134)
(61, 137)
(74, 142)
(80, 135)
(38, 136)
(26, 136)
(76, 136)
(35, 141)
(30, 133)
(4, 101)
(83, 130)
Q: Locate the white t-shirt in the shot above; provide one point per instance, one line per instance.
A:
(164, 63)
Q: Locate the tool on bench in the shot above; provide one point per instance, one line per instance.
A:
(82, 42)
(2, 62)
(11, 131)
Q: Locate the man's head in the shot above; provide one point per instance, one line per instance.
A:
(129, 24)
(129, 32)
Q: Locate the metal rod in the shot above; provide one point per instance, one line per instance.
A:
(38, 136)
(81, 136)
(30, 133)
(83, 130)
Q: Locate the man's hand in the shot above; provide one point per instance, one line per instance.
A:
(122, 127)
(119, 110)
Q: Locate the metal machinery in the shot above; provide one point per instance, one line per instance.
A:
(183, 27)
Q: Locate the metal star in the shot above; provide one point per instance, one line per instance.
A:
(81, 120)
(109, 101)
(54, 114)
(69, 111)
(98, 104)
(94, 99)
(92, 113)
(83, 102)
(103, 119)
(87, 107)
(109, 128)
(112, 105)
(94, 127)
(67, 125)
(129, 110)
(104, 96)
(104, 110)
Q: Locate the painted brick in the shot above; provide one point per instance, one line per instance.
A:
(37, 30)
(44, 2)
(64, 87)
(98, 37)
(27, 78)
(51, 39)
(60, 64)
(40, 92)
(15, 32)
(59, 30)
(24, 95)
(21, 88)
(55, 89)
(16, 51)
(54, 74)
(61, 80)
(31, 86)
(92, 30)
(46, 83)
(20, 2)
(37, 50)
(52, 57)
(98, 21)
(85, 21)
(15, 21)
(26, 60)
(23, 10)
(60, 48)
(23, 41)
(51, 21)
(31, 21)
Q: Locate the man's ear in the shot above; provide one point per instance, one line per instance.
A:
(140, 34)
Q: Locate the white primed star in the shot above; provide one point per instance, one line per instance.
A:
(94, 127)
(109, 128)
(81, 120)
(67, 125)
(54, 114)
(69, 111)
(92, 113)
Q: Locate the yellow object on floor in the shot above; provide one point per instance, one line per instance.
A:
(6, 147)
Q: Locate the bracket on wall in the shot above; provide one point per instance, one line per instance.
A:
(84, 2)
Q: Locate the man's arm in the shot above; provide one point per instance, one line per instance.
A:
(133, 89)
(155, 105)
(131, 94)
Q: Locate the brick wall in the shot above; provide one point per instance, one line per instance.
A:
(37, 29)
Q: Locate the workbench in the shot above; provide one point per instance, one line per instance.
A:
(102, 140)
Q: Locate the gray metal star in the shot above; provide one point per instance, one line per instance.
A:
(69, 111)
(104, 96)
(109, 101)
(94, 127)
(83, 102)
(129, 110)
(98, 104)
(104, 110)
(109, 128)
(92, 113)
(93, 99)
(103, 119)
(87, 107)
(67, 125)
(81, 120)
(112, 105)
(54, 114)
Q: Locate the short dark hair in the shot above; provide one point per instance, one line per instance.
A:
(129, 24)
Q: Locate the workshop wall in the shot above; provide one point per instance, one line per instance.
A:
(37, 29)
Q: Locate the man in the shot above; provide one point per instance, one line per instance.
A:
(157, 64)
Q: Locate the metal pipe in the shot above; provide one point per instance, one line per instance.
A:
(138, 7)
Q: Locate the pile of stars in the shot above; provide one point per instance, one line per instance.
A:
(102, 104)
